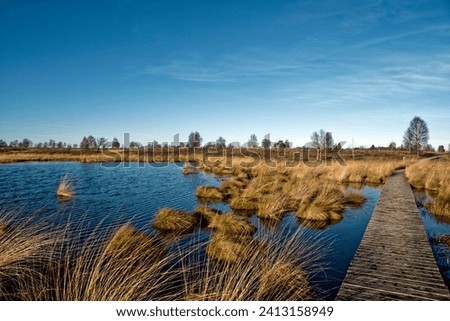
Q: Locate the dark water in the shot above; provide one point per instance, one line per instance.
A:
(107, 196)
(435, 227)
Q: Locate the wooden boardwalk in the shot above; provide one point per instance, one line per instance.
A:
(394, 260)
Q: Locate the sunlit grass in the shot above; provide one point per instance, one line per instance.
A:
(434, 175)
(168, 219)
(125, 264)
(269, 267)
(65, 188)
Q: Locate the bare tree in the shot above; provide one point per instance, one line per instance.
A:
(441, 149)
(3, 143)
(253, 141)
(101, 142)
(92, 141)
(322, 140)
(51, 143)
(221, 142)
(194, 139)
(134, 144)
(26, 143)
(84, 143)
(265, 143)
(115, 143)
(280, 144)
(416, 136)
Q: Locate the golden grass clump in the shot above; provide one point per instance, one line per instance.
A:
(273, 207)
(225, 248)
(363, 171)
(127, 240)
(168, 219)
(326, 204)
(209, 193)
(268, 268)
(230, 224)
(233, 187)
(440, 205)
(354, 199)
(127, 266)
(206, 212)
(283, 279)
(244, 203)
(433, 174)
(65, 188)
(23, 246)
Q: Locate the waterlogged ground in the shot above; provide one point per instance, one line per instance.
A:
(107, 196)
(435, 227)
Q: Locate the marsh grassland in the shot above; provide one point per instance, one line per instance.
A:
(238, 260)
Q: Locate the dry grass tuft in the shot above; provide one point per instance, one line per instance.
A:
(354, 200)
(433, 174)
(244, 203)
(230, 224)
(209, 193)
(273, 207)
(234, 186)
(125, 264)
(206, 212)
(225, 248)
(168, 219)
(65, 188)
(23, 246)
(269, 268)
(283, 279)
(325, 204)
(440, 205)
(128, 265)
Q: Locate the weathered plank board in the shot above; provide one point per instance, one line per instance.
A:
(394, 260)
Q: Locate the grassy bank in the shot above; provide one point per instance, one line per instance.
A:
(433, 175)
(175, 154)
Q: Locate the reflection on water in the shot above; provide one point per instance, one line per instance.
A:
(437, 227)
(110, 196)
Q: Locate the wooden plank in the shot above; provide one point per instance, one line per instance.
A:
(394, 260)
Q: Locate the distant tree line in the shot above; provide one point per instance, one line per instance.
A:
(415, 139)
(26, 143)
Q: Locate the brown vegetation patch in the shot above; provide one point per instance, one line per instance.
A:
(269, 268)
(326, 204)
(168, 219)
(354, 200)
(209, 193)
(433, 175)
(224, 248)
(65, 188)
(274, 206)
(244, 203)
(230, 224)
(283, 280)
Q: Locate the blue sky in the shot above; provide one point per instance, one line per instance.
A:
(360, 69)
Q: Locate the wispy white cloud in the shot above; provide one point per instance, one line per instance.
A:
(231, 67)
